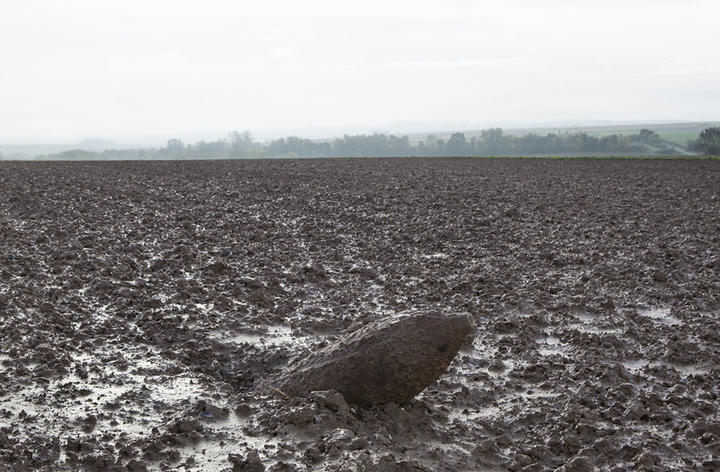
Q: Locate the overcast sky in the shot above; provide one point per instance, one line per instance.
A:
(152, 69)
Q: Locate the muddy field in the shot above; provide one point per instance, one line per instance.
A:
(140, 303)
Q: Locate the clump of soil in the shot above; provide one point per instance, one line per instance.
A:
(389, 360)
(142, 303)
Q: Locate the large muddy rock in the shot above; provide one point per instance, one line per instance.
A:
(392, 359)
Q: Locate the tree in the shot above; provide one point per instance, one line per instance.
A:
(240, 143)
(175, 146)
(241, 140)
(709, 141)
(493, 140)
(647, 136)
(456, 145)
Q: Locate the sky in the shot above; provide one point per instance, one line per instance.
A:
(145, 71)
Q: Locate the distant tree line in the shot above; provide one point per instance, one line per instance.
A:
(708, 142)
(490, 142)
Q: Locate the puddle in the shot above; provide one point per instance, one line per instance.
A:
(437, 255)
(276, 335)
(502, 405)
(592, 324)
(481, 413)
(660, 315)
(637, 365)
(176, 389)
(117, 394)
(584, 316)
(550, 346)
(591, 329)
(538, 395)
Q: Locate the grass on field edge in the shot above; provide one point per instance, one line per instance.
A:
(609, 157)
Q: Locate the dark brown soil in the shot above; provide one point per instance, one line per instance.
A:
(141, 303)
(389, 360)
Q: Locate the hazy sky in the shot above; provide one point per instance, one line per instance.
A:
(131, 70)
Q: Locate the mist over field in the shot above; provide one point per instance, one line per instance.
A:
(139, 74)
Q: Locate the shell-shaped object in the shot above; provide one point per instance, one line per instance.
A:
(392, 359)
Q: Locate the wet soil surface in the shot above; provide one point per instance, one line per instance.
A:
(141, 303)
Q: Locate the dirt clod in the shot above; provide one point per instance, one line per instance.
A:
(389, 360)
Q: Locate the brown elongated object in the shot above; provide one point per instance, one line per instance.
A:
(392, 359)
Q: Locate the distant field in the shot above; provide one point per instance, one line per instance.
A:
(27, 151)
(678, 133)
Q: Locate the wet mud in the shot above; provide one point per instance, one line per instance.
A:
(389, 360)
(141, 305)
